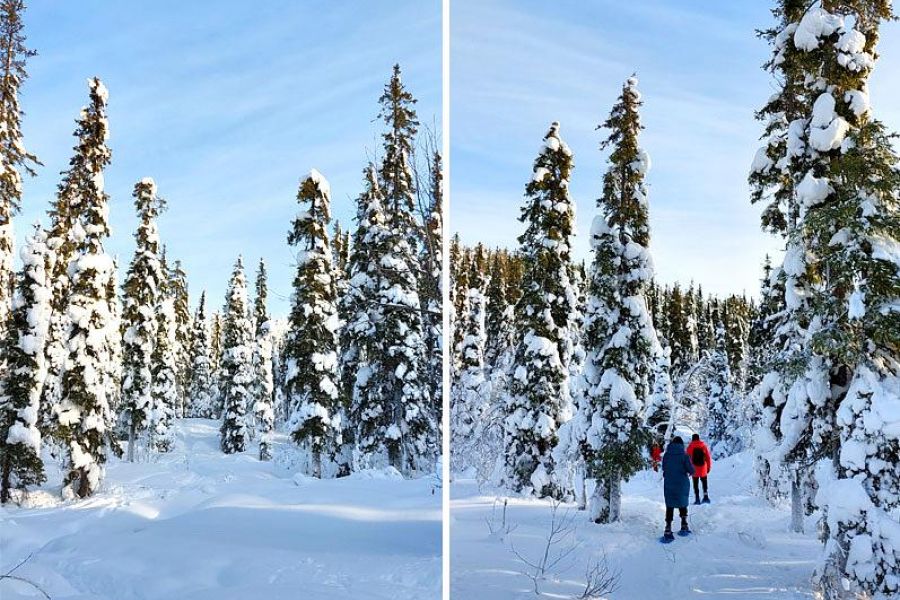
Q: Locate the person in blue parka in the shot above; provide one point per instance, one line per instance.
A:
(677, 471)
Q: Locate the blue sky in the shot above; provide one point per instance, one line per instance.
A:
(226, 104)
(517, 65)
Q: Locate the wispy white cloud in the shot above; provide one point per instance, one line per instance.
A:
(227, 105)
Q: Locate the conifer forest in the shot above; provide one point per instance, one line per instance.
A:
(124, 385)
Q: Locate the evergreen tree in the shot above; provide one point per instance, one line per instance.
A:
(842, 361)
(15, 158)
(430, 283)
(620, 339)
(141, 291)
(539, 388)
(236, 364)
(201, 384)
(459, 296)
(399, 370)
(164, 368)
(263, 407)
(311, 348)
(499, 321)
(470, 394)
(181, 305)
(83, 413)
(723, 419)
(775, 174)
(215, 342)
(368, 412)
(20, 452)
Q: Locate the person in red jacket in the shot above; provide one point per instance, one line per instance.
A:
(702, 461)
(655, 455)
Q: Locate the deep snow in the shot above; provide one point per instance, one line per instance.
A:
(741, 547)
(196, 524)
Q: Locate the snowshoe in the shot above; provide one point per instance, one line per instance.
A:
(667, 538)
(697, 502)
(684, 532)
(706, 500)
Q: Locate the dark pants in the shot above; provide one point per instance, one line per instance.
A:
(670, 514)
(697, 481)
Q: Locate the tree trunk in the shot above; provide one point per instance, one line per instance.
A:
(317, 464)
(615, 498)
(797, 509)
(600, 502)
(4, 486)
(581, 488)
(131, 440)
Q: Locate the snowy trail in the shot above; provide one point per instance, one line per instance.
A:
(740, 549)
(199, 524)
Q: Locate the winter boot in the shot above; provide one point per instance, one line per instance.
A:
(697, 499)
(685, 530)
(706, 499)
(667, 537)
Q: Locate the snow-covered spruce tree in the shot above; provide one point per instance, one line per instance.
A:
(469, 394)
(141, 298)
(15, 158)
(849, 232)
(112, 372)
(236, 364)
(499, 326)
(164, 367)
(619, 337)
(359, 310)
(264, 384)
(430, 282)
(659, 414)
(459, 274)
(538, 393)
(783, 438)
(83, 413)
(723, 418)
(20, 452)
(398, 369)
(181, 304)
(215, 355)
(311, 348)
(200, 390)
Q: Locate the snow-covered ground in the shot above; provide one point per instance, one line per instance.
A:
(741, 547)
(198, 524)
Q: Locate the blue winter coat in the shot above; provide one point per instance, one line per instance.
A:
(677, 469)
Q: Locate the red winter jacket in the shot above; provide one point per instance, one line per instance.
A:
(700, 470)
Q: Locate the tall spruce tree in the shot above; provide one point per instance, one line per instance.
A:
(264, 384)
(311, 348)
(783, 439)
(20, 452)
(620, 340)
(469, 394)
(360, 310)
(201, 371)
(181, 304)
(15, 158)
(430, 282)
(722, 417)
(141, 291)
(538, 392)
(164, 368)
(236, 364)
(83, 413)
(850, 229)
(399, 370)
(842, 366)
